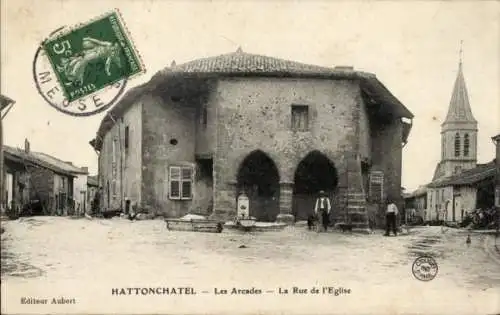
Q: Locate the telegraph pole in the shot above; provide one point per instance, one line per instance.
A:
(4, 103)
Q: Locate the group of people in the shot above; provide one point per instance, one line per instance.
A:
(322, 208)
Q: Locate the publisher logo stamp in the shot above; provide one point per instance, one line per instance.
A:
(83, 70)
(424, 268)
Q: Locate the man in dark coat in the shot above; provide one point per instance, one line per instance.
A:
(322, 210)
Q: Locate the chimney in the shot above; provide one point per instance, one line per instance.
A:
(69, 162)
(26, 146)
(85, 169)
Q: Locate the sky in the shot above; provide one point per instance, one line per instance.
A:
(412, 47)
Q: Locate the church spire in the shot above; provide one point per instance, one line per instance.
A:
(460, 54)
(459, 109)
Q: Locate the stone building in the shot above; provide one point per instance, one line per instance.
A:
(496, 141)
(459, 185)
(5, 103)
(461, 193)
(198, 134)
(40, 179)
(92, 189)
(416, 205)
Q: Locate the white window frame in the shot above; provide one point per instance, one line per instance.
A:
(181, 180)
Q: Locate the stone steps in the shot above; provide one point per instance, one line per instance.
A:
(353, 210)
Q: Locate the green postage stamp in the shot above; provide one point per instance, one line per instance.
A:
(93, 56)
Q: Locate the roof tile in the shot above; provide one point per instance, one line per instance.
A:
(44, 160)
(245, 64)
(467, 177)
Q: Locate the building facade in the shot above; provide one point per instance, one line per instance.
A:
(5, 102)
(416, 206)
(92, 191)
(463, 193)
(39, 181)
(199, 134)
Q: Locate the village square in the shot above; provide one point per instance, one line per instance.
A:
(247, 175)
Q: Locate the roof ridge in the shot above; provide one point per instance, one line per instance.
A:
(77, 169)
(33, 156)
(20, 153)
(247, 54)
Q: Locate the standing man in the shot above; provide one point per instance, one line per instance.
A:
(390, 217)
(322, 210)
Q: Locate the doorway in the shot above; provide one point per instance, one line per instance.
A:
(258, 178)
(314, 173)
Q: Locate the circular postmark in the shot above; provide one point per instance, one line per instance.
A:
(81, 100)
(424, 268)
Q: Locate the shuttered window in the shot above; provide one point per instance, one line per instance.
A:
(457, 144)
(300, 117)
(204, 117)
(127, 137)
(466, 144)
(181, 182)
(376, 186)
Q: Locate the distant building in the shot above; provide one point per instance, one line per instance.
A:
(80, 191)
(464, 192)
(416, 205)
(459, 185)
(496, 140)
(41, 180)
(198, 134)
(5, 102)
(92, 188)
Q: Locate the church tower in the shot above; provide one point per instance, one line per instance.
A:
(458, 132)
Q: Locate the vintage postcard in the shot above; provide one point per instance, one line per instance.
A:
(250, 157)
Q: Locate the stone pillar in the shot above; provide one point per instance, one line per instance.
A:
(352, 195)
(286, 196)
(224, 202)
